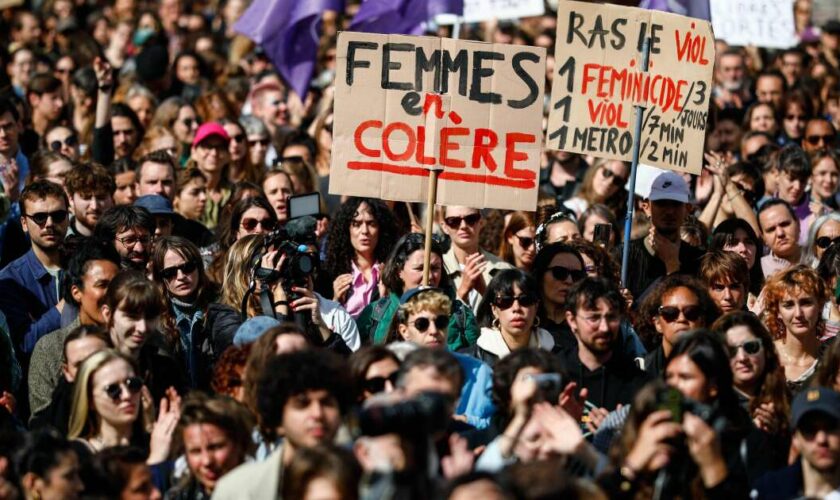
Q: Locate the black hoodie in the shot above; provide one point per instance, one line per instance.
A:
(610, 385)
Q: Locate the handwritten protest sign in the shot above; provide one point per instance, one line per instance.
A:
(482, 10)
(599, 80)
(763, 23)
(406, 104)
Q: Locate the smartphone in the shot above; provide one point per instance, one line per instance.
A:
(549, 386)
(672, 400)
(304, 204)
(602, 234)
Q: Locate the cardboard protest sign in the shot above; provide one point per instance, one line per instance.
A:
(406, 104)
(476, 11)
(599, 80)
(763, 23)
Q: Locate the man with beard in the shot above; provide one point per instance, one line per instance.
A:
(779, 230)
(661, 252)
(91, 191)
(130, 229)
(731, 89)
(816, 423)
(30, 294)
(594, 310)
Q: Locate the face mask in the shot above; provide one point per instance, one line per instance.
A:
(142, 35)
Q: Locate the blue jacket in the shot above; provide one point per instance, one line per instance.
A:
(28, 298)
(476, 403)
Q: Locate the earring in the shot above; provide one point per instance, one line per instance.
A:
(496, 325)
(536, 322)
(780, 328)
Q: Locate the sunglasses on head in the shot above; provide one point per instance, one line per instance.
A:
(815, 140)
(561, 273)
(455, 222)
(617, 180)
(375, 385)
(525, 241)
(422, 324)
(751, 347)
(506, 301)
(672, 313)
(70, 141)
(171, 272)
(825, 241)
(40, 218)
(133, 384)
(250, 224)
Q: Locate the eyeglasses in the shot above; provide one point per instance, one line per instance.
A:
(237, 138)
(375, 385)
(261, 142)
(455, 222)
(71, 141)
(816, 140)
(171, 272)
(250, 224)
(672, 313)
(40, 218)
(441, 321)
(617, 180)
(525, 241)
(506, 301)
(561, 273)
(132, 384)
(750, 347)
(825, 242)
(130, 241)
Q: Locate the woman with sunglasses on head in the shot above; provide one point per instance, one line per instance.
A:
(518, 245)
(110, 408)
(508, 317)
(603, 183)
(824, 231)
(676, 305)
(362, 234)
(557, 267)
(404, 271)
(758, 377)
(793, 304)
(177, 264)
(374, 369)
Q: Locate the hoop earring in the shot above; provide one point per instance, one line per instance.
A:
(496, 325)
(536, 322)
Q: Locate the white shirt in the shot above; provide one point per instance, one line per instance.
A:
(339, 321)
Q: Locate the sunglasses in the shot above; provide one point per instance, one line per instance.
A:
(375, 385)
(171, 272)
(189, 122)
(70, 141)
(617, 180)
(506, 301)
(40, 218)
(795, 117)
(525, 241)
(261, 142)
(133, 384)
(825, 242)
(816, 140)
(672, 313)
(250, 224)
(751, 347)
(441, 321)
(237, 138)
(455, 222)
(561, 273)
(749, 195)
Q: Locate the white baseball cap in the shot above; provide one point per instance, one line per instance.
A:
(669, 186)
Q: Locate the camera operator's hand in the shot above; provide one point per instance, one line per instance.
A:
(341, 285)
(704, 447)
(651, 451)
(309, 302)
(277, 292)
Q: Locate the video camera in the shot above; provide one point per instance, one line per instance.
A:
(422, 416)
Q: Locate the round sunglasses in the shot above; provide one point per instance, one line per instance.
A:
(132, 385)
(422, 324)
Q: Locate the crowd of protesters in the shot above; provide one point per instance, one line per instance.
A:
(157, 340)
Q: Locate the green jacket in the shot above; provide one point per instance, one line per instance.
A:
(376, 318)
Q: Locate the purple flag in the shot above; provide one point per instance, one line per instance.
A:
(288, 31)
(401, 16)
(690, 8)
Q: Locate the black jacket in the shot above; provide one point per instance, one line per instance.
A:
(57, 414)
(647, 269)
(221, 324)
(614, 383)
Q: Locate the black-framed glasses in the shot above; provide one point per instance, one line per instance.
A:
(506, 301)
(441, 321)
(672, 313)
(375, 385)
(816, 140)
(172, 272)
(40, 218)
(824, 241)
(71, 141)
(250, 224)
(455, 222)
(525, 242)
(750, 347)
(562, 273)
(130, 241)
(131, 384)
(617, 180)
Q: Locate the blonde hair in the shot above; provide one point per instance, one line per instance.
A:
(237, 275)
(154, 133)
(84, 421)
(432, 300)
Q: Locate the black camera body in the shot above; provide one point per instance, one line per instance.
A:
(422, 416)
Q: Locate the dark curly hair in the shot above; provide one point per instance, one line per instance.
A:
(290, 374)
(407, 245)
(340, 253)
(605, 266)
(504, 373)
(649, 308)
